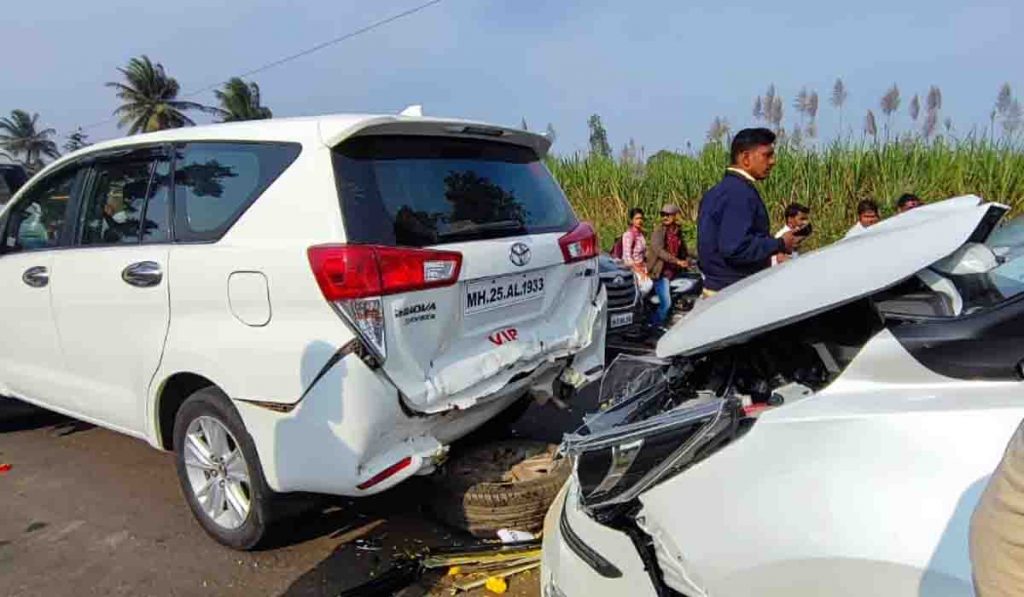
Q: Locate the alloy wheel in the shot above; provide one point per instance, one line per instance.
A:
(217, 472)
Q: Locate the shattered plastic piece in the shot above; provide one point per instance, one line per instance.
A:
(470, 584)
(574, 378)
(454, 570)
(482, 555)
(497, 585)
(512, 536)
(365, 545)
(5, 467)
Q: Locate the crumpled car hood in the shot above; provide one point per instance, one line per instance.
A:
(883, 255)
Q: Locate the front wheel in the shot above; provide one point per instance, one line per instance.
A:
(219, 470)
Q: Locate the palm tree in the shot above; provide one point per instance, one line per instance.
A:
(19, 135)
(149, 98)
(240, 101)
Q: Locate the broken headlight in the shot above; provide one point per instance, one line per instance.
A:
(644, 432)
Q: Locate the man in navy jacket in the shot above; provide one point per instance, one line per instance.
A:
(733, 236)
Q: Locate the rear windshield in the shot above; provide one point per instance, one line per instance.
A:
(419, 191)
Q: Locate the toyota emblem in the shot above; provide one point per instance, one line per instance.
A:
(519, 254)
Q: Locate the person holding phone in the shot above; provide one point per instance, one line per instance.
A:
(798, 221)
(733, 238)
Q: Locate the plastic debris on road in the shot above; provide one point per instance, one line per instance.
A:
(496, 584)
(511, 536)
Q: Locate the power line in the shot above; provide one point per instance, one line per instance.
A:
(321, 46)
(301, 54)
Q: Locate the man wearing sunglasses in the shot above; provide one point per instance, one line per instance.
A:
(666, 257)
(733, 238)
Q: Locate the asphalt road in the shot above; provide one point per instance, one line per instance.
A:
(85, 511)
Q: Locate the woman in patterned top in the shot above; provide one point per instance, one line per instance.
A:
(634, 243)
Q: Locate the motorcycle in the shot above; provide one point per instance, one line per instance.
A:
(685, 288)
(630, 311)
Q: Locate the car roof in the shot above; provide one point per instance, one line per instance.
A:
(328, 130)
(842, 272)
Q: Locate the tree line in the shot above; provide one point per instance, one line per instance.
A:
(149, 101)
(769, 110)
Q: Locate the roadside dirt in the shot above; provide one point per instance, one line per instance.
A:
(85, 511)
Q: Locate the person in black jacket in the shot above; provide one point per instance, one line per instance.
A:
(733, 238)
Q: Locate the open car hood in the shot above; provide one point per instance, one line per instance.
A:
(883, 255)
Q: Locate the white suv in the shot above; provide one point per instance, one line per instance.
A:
(297, 305)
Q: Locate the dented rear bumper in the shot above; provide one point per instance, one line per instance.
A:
(478, 378)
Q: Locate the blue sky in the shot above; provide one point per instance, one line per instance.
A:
(655, 70)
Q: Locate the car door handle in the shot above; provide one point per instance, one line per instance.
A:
(36, 277)
(144, 274)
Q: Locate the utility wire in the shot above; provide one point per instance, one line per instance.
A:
(298, 55)
(321, 46)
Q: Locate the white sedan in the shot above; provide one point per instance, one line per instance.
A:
(822, 428)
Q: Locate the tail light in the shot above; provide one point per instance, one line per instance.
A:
(579, 244)
(355, 277)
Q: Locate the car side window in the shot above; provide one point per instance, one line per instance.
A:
(214, 183)
(37, 221)
(112, 210)
(156, 225)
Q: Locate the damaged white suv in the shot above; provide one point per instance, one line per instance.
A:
(297, 305)
(822, 428)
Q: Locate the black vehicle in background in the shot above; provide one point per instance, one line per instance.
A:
(625, 309)
(12, 177)
(629, 311)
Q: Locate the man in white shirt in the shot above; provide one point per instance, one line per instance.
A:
(867, 215)
(797, 216)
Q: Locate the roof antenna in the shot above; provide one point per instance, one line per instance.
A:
(413, 110)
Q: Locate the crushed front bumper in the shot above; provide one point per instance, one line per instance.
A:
(582, 557)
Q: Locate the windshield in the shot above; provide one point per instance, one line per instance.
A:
(424, 190)
(989, 273)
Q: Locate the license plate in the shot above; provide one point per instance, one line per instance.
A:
(494, 293)
(620, 319)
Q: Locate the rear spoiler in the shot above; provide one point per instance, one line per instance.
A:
(414, 125)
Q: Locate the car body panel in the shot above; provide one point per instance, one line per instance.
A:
(322, 419)
(91, 305)
(863, 485)
(351, 425)
(869, 483)
(29, 367)
(856, 267)
(563, 568)
(451, 357)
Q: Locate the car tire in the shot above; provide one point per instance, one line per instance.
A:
(220, 472)
(500, 485)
